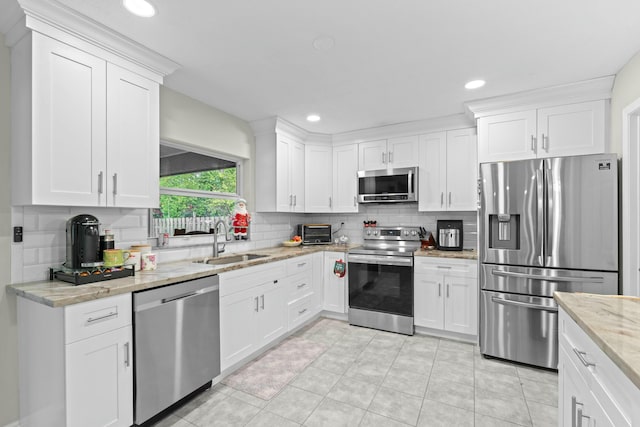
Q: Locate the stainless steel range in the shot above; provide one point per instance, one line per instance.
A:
(381, 279)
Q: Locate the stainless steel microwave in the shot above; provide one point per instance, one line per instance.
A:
(388, 185)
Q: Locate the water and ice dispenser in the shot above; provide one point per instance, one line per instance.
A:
(504, 231)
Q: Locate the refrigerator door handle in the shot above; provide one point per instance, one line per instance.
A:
(502, 273)
(541, 225)
(548, 216)
(505, 301)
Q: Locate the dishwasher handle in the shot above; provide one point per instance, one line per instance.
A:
(187, 295)
(174, 298)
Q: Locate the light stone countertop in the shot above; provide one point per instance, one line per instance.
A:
(612, 322)
(464, 254)
(55, 293)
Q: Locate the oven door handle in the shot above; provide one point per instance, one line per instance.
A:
(547, 278)
(505, 301)
(381, 260)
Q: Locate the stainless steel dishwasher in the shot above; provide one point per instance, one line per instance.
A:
(176, 343)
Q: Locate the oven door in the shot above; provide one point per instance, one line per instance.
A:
(381, 283)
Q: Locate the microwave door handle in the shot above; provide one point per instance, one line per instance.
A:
(410, 174)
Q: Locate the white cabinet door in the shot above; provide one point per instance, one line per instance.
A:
(428, 301)
(133, 140)
(318, 275)
(318, 178)
(284, 197)
(345, 181)
(461, 304)
(272, 315)
(297, 176)
(238, 334)
(461, 171)
(372, 155)
(99, 380)
(510, 136)
(432, 174)
(570, 130)
(335, 288)
(402, 152)
(68, 141)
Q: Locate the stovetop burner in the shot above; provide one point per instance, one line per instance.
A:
(389, 240)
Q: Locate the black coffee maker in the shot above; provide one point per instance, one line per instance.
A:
(83, 242)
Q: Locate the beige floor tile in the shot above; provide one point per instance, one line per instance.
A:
(502, 407)
(455, 372)
(543, 415)
(499, 383)
(335, 414)
(541, 392)
(269, 419)
(229, 412)
(487, 421)
(454, 394)
(436, 414)
(316, 380)
(396, 405)
(450, 345)
(541, 375)
(172, 421)
(372, 419)
(294, 404)
(354, 392)
(408, 382)
(453, 356)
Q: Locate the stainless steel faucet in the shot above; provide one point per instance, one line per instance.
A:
(216, 250)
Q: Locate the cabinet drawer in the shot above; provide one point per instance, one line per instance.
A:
(235, 281)
(92, 318)
(614, 391)
(299, 265)
(300, 311)
(426, 265)
(299, 286)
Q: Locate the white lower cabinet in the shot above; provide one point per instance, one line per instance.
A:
(253, 310)
(593, 391)
(335, 288)
(302, 298)
(76, 363)
(446, 295)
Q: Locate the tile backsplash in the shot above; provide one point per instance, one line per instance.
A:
(44, 242)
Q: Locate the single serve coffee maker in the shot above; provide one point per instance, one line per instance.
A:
(83, 242)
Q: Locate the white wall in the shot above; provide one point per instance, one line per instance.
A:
(8, 340)
(626, 89)
(187, 121)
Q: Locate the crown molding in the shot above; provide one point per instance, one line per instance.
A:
(456, 121)
(273, 125)
(587, 90)
(57, 20)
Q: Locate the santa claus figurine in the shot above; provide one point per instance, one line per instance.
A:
(240, 219)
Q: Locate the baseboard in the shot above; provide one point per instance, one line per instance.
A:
(471, 339)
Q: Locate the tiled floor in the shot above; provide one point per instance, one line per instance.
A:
(374, 378)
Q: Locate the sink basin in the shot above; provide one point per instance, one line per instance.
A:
(232, 259)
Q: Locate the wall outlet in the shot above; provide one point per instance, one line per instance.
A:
(17, 234)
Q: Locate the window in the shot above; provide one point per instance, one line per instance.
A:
(196, 189)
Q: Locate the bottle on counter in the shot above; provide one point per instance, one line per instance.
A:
(106, 242)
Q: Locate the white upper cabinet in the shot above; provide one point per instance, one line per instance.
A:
(319, 178)
(388, 154)
(448, 171)
(345, 181)
(289, 171)
(86, 131)
(565, 130)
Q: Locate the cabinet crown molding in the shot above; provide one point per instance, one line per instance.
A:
(588, 90)
(278, 125)
(59, 21)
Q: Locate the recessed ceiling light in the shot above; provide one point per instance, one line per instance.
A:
(313, 118)
(140, 8)
(474, 84)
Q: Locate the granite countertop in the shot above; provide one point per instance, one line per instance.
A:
(55, 293)
(612, 322)
(464, 254)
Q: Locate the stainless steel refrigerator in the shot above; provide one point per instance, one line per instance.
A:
(545, 225)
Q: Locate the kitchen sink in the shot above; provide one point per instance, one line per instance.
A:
(232, 259)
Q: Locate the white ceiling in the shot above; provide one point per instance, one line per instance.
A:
(393, 60)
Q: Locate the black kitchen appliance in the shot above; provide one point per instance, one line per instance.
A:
(315, 234)
(83, 242)
(449, 233)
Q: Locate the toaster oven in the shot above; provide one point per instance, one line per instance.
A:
(315, 234)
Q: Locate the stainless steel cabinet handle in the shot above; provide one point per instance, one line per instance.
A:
(574, 403)
(302, 285)
(262, 296)
(295, 200)
(383, 162)
(100, 176)
(390, 156)
(448, 290)
(126, 354)
(439, 289)
(290, 199)
(533, 143)
(187, 295)
(330, 202)
(105, 317)
(302, 311)
(354, 200)
(582, 356)
(302, 264)
(441, 198)
(580, 417)
(257, 306)
(115, 183)
(449, 198)
(545, 142)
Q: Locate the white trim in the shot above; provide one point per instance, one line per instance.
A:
(198, 193)
(588, 90)
(630, 198)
